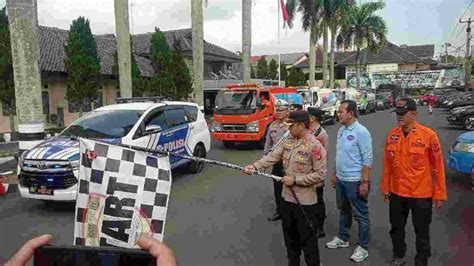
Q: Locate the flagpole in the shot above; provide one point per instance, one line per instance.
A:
(279, 64)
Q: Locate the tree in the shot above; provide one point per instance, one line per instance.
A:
(273, 70)
(312, 15)
(7, 87)
(335, 11)
(363, 29)
(262, 68)
(283, 72)
(82, 64)
(181, 76)
(162, 83)
(296, 77)
(252, 72)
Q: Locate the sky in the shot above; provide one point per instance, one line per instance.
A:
(411, 22)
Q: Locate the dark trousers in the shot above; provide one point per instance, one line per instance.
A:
(421, 210)
(321, 214)
(298, 234)
(278, 186)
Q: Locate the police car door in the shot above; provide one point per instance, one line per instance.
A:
(150, 129)
(174, 139)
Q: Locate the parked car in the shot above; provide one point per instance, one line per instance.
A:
(463, 98)
(461, 154)
(382, 102)
(463, 117)
(49, 171)
(446, 100)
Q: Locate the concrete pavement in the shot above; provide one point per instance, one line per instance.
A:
(219, 216)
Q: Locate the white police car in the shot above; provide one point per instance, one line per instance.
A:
(49, 171)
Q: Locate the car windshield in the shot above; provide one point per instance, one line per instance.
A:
(236, 102)
(306, 97)
(104, 124)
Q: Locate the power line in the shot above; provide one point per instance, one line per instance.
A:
(472, 1)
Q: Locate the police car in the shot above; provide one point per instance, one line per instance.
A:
(49, 171)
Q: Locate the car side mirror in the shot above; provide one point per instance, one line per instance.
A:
(152, 129)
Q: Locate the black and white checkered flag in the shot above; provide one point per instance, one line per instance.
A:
(123, 194)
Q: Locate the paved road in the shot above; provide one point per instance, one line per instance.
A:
(219, 216)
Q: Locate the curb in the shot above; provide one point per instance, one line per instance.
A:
(7, 154)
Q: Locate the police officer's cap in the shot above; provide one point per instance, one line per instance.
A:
(299, 116)
(318, 113)
(295, 106)
(281, 104)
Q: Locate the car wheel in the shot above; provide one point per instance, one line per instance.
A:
(229, 144)
(196, 167)
(468, 123)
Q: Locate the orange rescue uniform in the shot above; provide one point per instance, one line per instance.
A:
(413, 166)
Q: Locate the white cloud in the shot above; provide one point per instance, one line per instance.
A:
(223, 29)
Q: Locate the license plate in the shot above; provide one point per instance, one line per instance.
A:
(41, 190)
(231, 136)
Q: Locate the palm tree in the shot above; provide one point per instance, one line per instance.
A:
(334, 14)
(363, 29)
(312, 11)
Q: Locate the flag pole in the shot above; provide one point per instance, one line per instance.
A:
(279, 64)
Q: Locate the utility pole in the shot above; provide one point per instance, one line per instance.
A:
(198, 50)
(246, 39)
(23, 20)
(446, 45)
(467, 61)
(122, 28)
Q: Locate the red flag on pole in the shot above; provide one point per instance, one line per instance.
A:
(285, 13)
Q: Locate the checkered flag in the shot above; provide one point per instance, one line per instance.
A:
(123, 194)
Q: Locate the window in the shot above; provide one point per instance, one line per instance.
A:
(157, 119)
(45, 96)
(104, 124)
(176, 117)
(191, 112)
(315, 97)
(7, 107)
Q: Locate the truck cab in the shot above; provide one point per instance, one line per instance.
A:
(243, 112)
(322, 98)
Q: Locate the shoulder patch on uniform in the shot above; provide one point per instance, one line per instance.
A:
(317, 153)
(436, 147)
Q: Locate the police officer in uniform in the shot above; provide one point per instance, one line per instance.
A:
(316, 116)
(304, 163)
(276, 131)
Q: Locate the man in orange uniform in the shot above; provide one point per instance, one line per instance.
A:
(413, 179)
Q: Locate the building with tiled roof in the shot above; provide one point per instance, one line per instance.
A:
(54, 76)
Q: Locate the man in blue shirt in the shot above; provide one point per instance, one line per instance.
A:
(351, 180)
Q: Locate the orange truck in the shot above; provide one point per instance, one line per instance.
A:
(243, 112)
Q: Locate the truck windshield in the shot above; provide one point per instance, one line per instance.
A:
(236, 102)
(104, 124)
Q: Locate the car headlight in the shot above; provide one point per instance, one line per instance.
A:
(464, 147)
(74, 165)
(215, 126)
(253, 127)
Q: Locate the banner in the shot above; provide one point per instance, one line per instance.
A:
(123, 194)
